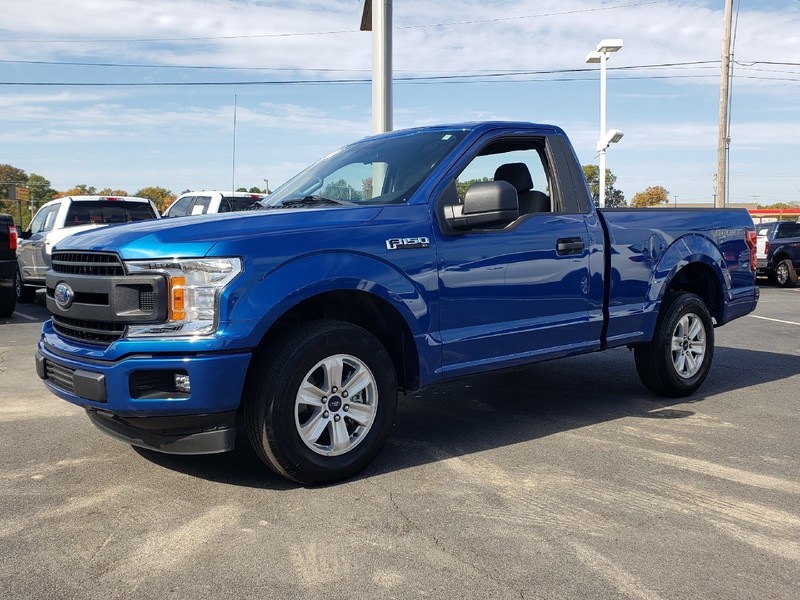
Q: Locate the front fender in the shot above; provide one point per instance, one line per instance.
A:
(305, 277)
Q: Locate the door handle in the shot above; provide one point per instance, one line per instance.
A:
(569, 246)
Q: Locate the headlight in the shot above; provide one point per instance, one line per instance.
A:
(193, 290)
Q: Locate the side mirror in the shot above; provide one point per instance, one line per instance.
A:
(25, 234)
(486, 203)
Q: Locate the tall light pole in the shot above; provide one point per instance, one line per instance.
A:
(612, 136)
(377, 18)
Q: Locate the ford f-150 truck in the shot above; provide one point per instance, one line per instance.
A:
(401, 260)
(778, 251)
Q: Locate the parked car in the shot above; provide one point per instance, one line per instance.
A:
(778, 251)
(62, 217)
(368, 273)
(8, 265)
(211, 202)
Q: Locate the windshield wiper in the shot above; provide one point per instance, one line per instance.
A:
(312, 201)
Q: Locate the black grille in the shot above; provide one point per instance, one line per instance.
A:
(92, 332)
(87, 263)
(147, 300)
(61, 377)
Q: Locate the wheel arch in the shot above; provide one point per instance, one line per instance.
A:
(366, 310)
(780, 256)
(693, 264)
(346, 287)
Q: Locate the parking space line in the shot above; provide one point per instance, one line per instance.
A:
(776, 320)
(30, 318)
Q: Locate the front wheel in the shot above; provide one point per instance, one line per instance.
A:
(319, 405)
(676, 362)
(785, 275)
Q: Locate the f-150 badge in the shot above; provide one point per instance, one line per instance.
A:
(407, 243)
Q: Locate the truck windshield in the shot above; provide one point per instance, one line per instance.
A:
(380, 170)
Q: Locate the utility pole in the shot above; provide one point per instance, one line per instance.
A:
(724, 140)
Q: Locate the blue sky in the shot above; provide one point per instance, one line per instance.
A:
(299, 72)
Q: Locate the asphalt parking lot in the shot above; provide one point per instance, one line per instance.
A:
(563, 480)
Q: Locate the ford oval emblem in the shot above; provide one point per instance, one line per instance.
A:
(64, 296)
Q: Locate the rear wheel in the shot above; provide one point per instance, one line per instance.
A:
(25, 294)
(676, 362)
(320, 404)
(785, 275)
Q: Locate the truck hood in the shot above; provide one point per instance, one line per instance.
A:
(196, 235)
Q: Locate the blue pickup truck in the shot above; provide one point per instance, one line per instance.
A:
(393, 263)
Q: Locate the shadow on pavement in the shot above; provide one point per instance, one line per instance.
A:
(499, 409)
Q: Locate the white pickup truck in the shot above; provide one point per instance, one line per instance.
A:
(211, 202)
(61, 217)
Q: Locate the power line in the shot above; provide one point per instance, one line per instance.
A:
(344, 31)
(455, 78)
(695, 63)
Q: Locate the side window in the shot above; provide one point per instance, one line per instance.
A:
(38, 220)
(180, 207)
(200, 205)
(50, 218)
(788, 230)
(520, 163)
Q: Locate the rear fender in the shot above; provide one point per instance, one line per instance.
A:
(689, 250)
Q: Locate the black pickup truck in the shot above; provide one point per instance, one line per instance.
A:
(8, 265)
(778, 251)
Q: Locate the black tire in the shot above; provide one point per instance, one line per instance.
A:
(785, 275)
(676, 362)
(323, 358)
(8, 300)
(25, 294)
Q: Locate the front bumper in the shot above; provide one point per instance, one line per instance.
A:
(135, 398)
(195, 434)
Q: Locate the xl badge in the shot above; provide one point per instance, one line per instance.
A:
(407, 243)
(64, 296)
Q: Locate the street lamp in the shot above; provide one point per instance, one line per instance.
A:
(612, 136)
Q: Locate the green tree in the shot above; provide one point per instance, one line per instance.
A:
(779, 205)
(652, 196)
(341, 190)
(162, 197)
(41, 191)
(463, 186)
(614, 197)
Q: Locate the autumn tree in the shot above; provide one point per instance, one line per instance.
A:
(162, 197)
(652, 196)
(79, 190)
(107, 191)
(614, 197)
